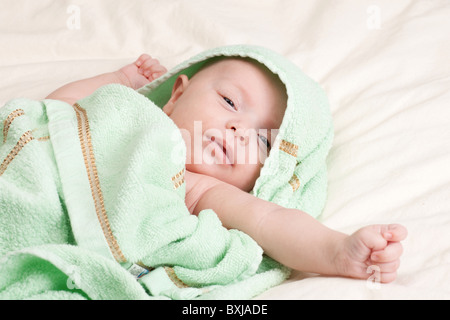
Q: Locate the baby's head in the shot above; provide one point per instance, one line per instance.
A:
(229, 113)
(239, 94)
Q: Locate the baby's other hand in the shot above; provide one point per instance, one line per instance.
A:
(150, 67)
(144, 70)
(374, 248)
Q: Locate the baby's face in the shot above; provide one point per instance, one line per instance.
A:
(228, 114)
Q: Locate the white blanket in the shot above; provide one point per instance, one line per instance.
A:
(385, 65)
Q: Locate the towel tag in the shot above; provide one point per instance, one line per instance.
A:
(138, 271)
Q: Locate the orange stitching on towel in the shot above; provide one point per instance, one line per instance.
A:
(294, 182)
(178, 179)
(43, 138)
(91, 169)
(24, 139)
(9, 119)
(173, 277)
(289, 148)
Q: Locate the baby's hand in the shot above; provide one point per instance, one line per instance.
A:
(149, 67)
(144, 70)
(375, 248)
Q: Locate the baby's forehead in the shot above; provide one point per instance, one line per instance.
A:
(219, 66)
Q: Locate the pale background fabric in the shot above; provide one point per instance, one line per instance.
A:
(384, 64)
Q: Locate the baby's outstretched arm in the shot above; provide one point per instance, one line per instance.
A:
(135, 75)
(297, 240)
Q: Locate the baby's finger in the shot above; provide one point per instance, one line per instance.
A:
(389, 266)
(142, 58)
(158, 69)
(155, 72)
(150, 64)
(395, 232)
(387, 277)
(157, 75)
(378, 275)
(392, 252)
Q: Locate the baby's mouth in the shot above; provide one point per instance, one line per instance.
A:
(225, 149)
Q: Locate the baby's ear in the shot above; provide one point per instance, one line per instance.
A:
(179, 86)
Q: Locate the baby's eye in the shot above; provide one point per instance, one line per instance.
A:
(231, 103)
(265, 141)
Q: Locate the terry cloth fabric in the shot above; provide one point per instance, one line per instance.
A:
(295, 173)
(92, 206)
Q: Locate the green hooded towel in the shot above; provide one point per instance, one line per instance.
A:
(92, 195)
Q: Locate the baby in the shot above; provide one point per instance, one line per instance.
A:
(240, 104)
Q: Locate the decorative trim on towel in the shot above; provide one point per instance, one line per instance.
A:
(178, 179)
(91, 170)
(24, 139)
(294, 182)
(173, 277)
(289, 148)
(43, 138)
(9, 119)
